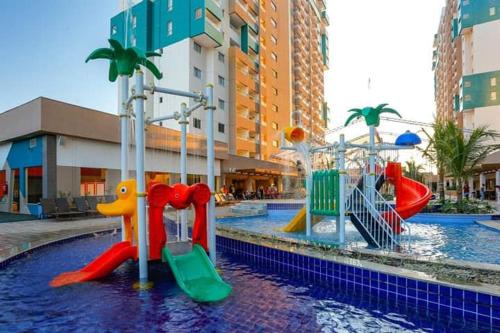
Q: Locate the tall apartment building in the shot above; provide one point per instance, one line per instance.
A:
(243, 47)
(447, 65)
(467, 63)
(467, 73)
(310, 60)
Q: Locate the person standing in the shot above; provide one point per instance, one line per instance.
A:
(483, 192)
(466, 191)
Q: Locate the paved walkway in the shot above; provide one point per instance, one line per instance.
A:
(17, 237)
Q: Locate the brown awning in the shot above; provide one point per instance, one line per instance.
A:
(491, 162)
(252, 166)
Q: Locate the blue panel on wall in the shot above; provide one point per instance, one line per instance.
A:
(24, 154)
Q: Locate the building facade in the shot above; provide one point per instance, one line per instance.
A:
(249, 50)
(467, 74)
(52, 149)
(310, 60)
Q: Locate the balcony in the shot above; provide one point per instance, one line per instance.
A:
(238, 13)
(325, 18)
(214, 7)
(210, 37)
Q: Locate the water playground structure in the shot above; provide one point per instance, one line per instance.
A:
(340, 192)
(193, 269)
(329, 192)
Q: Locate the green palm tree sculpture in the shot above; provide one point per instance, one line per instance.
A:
(371, 114)
(124, 61)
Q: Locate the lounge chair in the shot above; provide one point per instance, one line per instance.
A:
(109, 198)
(51, 209)
(83, 206)
(64, 210)
(92, 202)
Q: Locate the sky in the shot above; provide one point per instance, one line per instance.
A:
(389, 44)
(43, 45)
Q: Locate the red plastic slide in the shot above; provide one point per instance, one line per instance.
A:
(411, 196)
(99, 267)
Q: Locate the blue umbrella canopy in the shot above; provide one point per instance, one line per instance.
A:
(408, 139)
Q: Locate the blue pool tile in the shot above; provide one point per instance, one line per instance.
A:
(495, 301)
(445, 291)
(483, 309)
(392, 279)
(484, 299)
(433, 297)
(470, 306)
(410, 283)
(411, 292)
(366, 273)
(457, 293)
(382, 277)
(422, 302)
(402, 281)
(411, 301)
(422, 285)
(393, 288)
(383, 285)
(433, 288)
(470, 296)
(495, 312)
(444, 309)
(457, 303)
(470, 316)
(433, 306)
(422, 295)
(496, 323)
(374, 275)
(457, 313)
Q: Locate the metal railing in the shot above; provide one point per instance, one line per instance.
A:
(371, 220)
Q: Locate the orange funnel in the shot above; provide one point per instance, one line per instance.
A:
(294, 134)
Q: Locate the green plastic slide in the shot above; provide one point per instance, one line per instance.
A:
(196, 275)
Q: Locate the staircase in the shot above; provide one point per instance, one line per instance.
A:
(372, 219)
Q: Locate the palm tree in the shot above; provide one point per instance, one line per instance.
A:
(461, 153)
(371, 114)
(414, 171)
(124, 61)
(435, 155)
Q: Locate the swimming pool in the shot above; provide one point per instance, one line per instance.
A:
(261, 302)
(460, 240)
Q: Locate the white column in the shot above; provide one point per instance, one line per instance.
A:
(371, 172)
(183, 124)
(140, 176)
(482, 180)
(209, 92)
(470, 180)
(497, 183)
(342, 197)
(124, 123)
(308, 197)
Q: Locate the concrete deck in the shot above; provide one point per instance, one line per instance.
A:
(17, 237)
(490, 224)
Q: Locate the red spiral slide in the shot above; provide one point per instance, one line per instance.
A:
(411, 196)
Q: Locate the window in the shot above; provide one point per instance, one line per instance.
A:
(222, 81)
(222, 128)
(114, 30)
(493, 82)
(274, 40)
(275, 91)
(274, 125)
(134, 21)
(32, 143)
(274, 108)
(133, 41)
(273, 6)
(34, 184)
(161, 100)
(492, 11)
(274, 23)
(221, 57)
(170, 28)
(197, 123)
(493, 96)
(467, 84)
(274, 56)
(275, 74)
(170, 5)
(197, 72)
(275, 143)
(197, 47)
(222, 104)
(198, 13)
(467, 98)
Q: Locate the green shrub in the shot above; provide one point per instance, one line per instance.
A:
(465, 207)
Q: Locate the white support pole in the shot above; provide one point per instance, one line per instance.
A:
(308, 203)
(371, 171)
(210, 107)
(183, 124)
(342, 196)
(140, 176)
(124, 132)
(497, 185)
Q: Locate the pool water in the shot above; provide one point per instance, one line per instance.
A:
(261, 301)
(461, 240)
